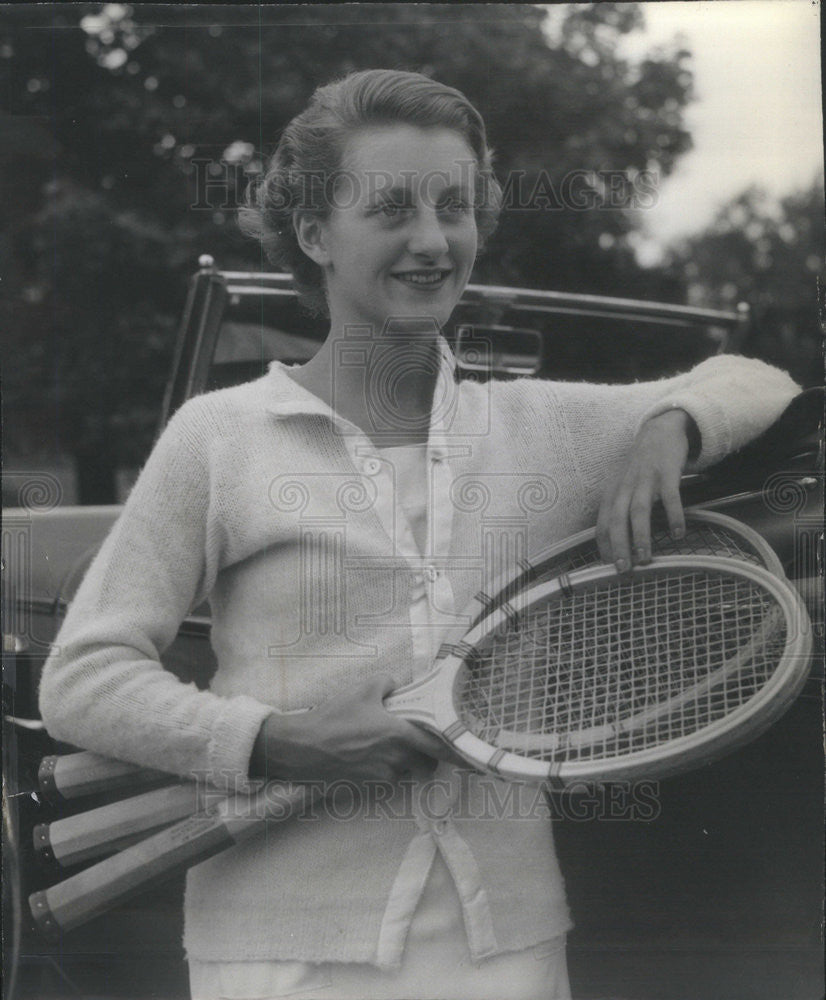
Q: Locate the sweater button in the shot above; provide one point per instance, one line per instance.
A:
(371, 466)
(440, 827)
(431, 573)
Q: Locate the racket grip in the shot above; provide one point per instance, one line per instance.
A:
(112, 827)
(89, 893)
(71, 776)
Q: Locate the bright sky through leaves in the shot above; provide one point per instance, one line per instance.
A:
(757, 114)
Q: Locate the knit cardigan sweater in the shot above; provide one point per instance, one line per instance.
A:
(264, 501)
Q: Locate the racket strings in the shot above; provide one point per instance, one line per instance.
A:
(706, 539)
(614, 669)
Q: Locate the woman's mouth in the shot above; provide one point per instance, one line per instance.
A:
(425, 278)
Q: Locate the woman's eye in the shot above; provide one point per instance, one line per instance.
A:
(455, 206)
(392, 209)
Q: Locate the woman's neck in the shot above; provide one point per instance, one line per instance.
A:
(383, 385)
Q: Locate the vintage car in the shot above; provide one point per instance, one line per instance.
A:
(714, 894)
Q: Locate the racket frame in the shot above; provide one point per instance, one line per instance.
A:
(431, 700)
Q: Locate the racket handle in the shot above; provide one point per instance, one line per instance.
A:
(165, 854)
(76, 775)
(96, 832)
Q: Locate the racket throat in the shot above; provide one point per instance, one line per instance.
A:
(427, 701)
(415, 703)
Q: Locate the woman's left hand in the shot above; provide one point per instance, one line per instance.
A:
(652, 472)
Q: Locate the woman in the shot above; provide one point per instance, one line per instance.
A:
(332, 514)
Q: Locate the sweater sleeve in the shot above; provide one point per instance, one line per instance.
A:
(104, 687)
(731, 399)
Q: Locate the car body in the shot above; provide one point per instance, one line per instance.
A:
(686, 904)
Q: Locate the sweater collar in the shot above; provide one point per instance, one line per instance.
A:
(294, 400)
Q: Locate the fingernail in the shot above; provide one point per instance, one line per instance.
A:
(641, 553)
(622, 565)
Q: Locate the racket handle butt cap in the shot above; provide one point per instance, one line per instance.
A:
(45, 777)
(42, 915)
(43, 849)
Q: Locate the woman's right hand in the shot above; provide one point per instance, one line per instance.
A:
(350, 737)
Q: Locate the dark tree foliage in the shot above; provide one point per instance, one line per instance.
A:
(770, 254)
(132, 132)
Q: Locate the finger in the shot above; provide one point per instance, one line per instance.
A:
(420, 741)
(378, 687)
(603, 536)
(419, 766)
(450, 756)
(620, 540)
(640, 514)
(673, 505)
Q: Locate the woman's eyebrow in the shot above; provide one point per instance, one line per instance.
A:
(455, 191)
(397, 193)
(401, 192)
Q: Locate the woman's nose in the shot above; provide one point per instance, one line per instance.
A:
(427, 237)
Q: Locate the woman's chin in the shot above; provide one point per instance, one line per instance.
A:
(418, 325)
(429, 311)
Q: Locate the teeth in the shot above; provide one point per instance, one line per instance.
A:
(422, 279)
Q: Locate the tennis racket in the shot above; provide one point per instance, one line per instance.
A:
(72, 776)
(76, 839)
(64, 778)
(585, 677)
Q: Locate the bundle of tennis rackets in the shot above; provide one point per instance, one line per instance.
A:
(569, 673)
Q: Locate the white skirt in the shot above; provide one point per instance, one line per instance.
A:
(437, 966)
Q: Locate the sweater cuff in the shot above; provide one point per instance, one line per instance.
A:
(231, 743)
(710, 418)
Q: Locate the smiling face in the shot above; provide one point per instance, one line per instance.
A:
(400, 240)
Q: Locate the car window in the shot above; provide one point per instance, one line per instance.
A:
(257, 329)
(558, 342)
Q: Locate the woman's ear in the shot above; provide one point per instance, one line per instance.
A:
(310, 233)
